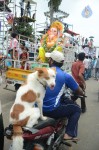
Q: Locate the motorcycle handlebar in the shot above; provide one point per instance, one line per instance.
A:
(80, 96)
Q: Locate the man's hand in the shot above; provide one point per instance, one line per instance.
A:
(80, 91)
(84, 86)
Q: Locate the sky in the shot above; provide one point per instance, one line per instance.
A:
(86, 27)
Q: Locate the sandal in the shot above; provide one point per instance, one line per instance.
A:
(75, 140)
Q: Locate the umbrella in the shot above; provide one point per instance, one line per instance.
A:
(31, 2)
(91, 37)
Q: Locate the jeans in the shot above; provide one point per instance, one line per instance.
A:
(71, 111)
(86, 74)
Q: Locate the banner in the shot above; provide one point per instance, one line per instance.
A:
(0, 25)
(87, 12)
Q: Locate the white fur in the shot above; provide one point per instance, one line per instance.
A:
(17, 143)
(34, 83)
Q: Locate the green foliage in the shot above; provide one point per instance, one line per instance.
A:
(55, 4)
(24, 28)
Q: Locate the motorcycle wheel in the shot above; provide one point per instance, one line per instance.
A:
(1, 133)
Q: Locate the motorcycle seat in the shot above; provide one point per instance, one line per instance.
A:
(44, 123)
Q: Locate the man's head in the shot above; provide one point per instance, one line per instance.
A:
(81, 56)
(55, 58)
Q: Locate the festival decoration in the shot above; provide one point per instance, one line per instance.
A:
(52, 40)
(0, 25)
(10, 18)
(87, 12)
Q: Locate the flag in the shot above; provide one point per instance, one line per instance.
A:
(0, 25)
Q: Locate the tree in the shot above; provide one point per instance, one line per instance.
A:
(54, 6)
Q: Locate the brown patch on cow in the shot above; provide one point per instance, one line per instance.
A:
(30, 96)
(43, 72)
(22, 122)
(17, 109)
(17, 130)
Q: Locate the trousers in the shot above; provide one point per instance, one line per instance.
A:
(71, 111)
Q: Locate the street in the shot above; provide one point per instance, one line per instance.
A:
(88, 130)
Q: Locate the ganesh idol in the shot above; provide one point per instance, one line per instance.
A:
(52, 40)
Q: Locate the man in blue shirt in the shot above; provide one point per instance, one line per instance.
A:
(52, 105)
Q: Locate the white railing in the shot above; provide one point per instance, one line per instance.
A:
(31, 64)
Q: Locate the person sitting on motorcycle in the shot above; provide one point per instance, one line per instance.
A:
(53, 106)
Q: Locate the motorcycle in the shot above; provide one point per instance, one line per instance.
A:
(46, 135)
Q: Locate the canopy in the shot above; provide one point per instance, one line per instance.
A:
(91, 37)
(31, 1)
(71, 32)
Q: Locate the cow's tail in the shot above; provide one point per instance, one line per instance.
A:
(17, 138)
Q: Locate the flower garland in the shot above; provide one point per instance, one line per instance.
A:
(45, 45)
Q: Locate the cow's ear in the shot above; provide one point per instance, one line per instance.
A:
(40, 71)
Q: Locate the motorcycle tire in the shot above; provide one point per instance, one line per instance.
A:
(1, 133)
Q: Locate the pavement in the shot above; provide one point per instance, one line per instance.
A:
(88, 128)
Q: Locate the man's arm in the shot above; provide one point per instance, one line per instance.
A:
(81, 72)
(79, 91)
(83, 80)
(73, 85)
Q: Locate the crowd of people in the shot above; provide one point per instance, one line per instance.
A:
(91, 67)
(17, 51)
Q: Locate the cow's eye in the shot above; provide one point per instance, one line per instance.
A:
(47, 78)
(53, 76)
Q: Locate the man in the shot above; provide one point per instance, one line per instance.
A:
(52, 106)
(97, 69)
(78, 70)
(86, 64)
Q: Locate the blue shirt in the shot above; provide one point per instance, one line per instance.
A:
(52, 97)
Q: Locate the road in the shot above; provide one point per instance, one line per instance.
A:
(88, 130)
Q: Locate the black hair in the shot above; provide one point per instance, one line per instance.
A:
(27, 49)
(81, 56)
(58, 64)
(86, 57)
(23, 43)
(90, 57)
(14, 35)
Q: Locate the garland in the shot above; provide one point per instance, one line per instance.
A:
(45, 45)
